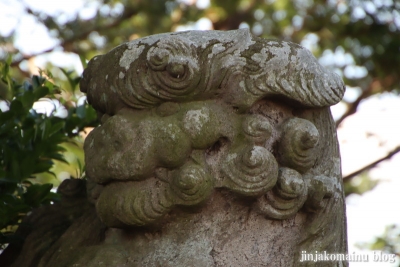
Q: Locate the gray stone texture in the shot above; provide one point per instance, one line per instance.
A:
(215, 149)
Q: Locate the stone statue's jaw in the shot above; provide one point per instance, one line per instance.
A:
(158, 159)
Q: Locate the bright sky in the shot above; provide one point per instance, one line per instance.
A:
(369, 214)
(378, 116)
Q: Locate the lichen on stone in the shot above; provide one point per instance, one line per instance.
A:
(172, 98)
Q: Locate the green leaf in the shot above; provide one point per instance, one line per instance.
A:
(52, 173)
(38, 80)
(36, 193)
(53, 89)
(29, 164)
(81, 111)
(73, 82)
(58, 157)
(16, 107)
(27, 86)
(55, 128)
(51, 196)
(83, 61)
(16, 169)
(6, 180)
(42, 166)
(9, 60)
(6, 117)
(40, 92)
(4, 72)
(61, 148)
(31, 143)
(45, 126)
(27, 100)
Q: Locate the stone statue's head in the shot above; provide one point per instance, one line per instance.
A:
(185, 114)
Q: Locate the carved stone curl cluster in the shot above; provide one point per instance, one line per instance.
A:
(177, 123)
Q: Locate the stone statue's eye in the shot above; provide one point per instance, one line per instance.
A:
(159, 61)
(176, 70)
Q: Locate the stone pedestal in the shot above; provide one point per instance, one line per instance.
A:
(215, 149)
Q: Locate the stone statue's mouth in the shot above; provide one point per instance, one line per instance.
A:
(146, 164)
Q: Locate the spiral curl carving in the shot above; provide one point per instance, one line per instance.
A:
(251, 170)
(191, 185)
(297, 148)
(170, 72)
(257, 128)
(172, 94)
(146, 208)
(286, 198)
(173, 73)
(144, 202)
(140, 203)
(320, 187)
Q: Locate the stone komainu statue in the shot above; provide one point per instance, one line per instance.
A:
(215, 149)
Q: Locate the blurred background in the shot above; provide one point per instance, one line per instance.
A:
(45, 44)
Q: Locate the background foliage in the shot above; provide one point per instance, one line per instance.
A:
(359, 39)
(31, 142)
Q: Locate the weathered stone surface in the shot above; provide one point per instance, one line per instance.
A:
(215, 149)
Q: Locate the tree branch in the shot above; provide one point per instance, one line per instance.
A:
(352, 107)
(373, 164)
(233, 21)
(128, 13)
